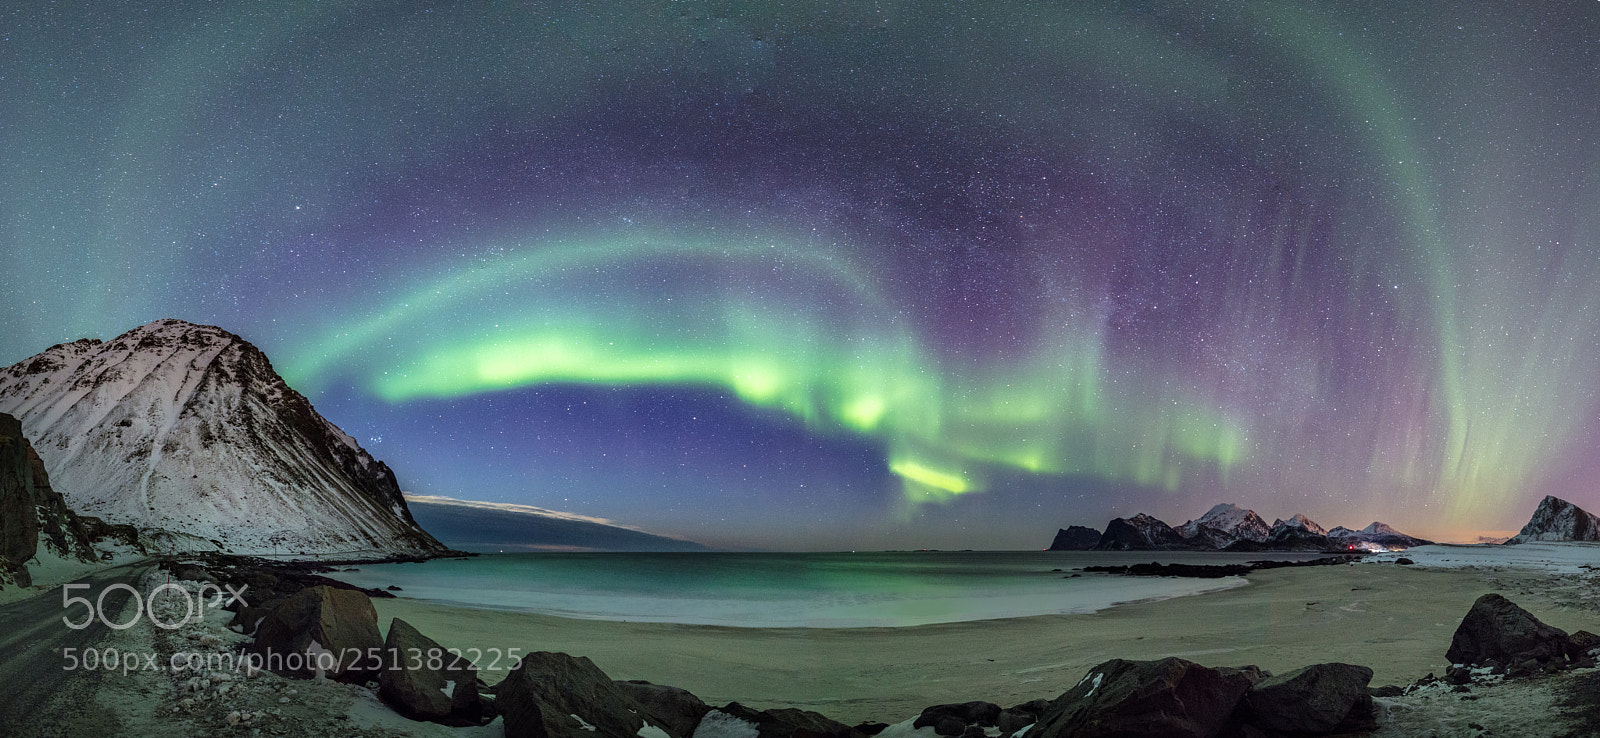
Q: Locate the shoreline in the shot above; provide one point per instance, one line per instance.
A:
(1398, 620)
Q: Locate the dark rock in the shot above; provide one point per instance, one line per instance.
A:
(679, 710)
(320, 620)
(967, 713)
(1403, 561)
(871, 728)
(556, 696)
(1387, 690)
(393, 588)
(1140, 533)
(1013, 719)
(1075, 538)
(1584, 642)
(1170, 698)
(1457, 675)
(1495, 629)
(1158, 569)
(1313, 699)
(789, 723)
(31, 510)
(246, 619)
(974, 731)
(447, 695)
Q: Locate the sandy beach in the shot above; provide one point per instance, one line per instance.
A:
(1397, 620)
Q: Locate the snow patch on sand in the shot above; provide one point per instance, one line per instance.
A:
(1557, 558)
(719, 724)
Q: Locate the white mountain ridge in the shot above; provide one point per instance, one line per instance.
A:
(1302, 522)
(1234, 521)
(187, 432)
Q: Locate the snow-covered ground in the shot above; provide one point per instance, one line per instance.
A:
(1555, 558)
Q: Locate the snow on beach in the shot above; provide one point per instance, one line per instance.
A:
(1555, 558)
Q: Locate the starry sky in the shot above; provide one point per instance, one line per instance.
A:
(827, 275)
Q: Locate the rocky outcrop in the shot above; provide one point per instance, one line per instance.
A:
(1496, 632)
(1317, 699)
(1075, 538)
(953, 719)
(1558, 520)
(415, 688)
(32, 513)
(187, 429)
(1139, 533)
(320, 629)
(679, 710)
(1170, 698)
(785, 723)
(561, 696)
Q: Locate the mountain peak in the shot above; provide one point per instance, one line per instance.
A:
(1233, 522)
(1302, 522)
(187, 428)
(1558, 520)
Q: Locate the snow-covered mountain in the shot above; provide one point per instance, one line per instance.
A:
(1376, 536)
(187, 432)
(1302, 522)
(1558, 520)
(1139, 533)
(1231, 521)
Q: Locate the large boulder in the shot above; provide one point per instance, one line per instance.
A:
(1013, 719)
(553, 695)
(1170, 698)
(1497, 632)
(784, 723)
(414, 688)
(680, 711)
(953, 719)
(1317, 699)
(320, 629)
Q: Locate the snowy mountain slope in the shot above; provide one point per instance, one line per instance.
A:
(1558, 520)
(187, 429)
(1140, 533)
(1379, 535)
(1230, 519)
(1302, 522)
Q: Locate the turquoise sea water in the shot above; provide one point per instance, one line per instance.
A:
(839, 590)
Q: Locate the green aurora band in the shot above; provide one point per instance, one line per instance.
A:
(820, 346)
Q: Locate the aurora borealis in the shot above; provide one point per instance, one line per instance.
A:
(853, 274)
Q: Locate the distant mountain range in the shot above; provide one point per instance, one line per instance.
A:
(1228, 527)
(492, 527)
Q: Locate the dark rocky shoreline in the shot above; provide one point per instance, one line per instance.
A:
(563, 696)
(1216, 571)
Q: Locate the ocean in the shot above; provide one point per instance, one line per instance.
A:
(813, 590)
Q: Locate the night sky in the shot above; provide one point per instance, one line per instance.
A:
(852, 274)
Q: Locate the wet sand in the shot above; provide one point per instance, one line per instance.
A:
(1397, 620)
